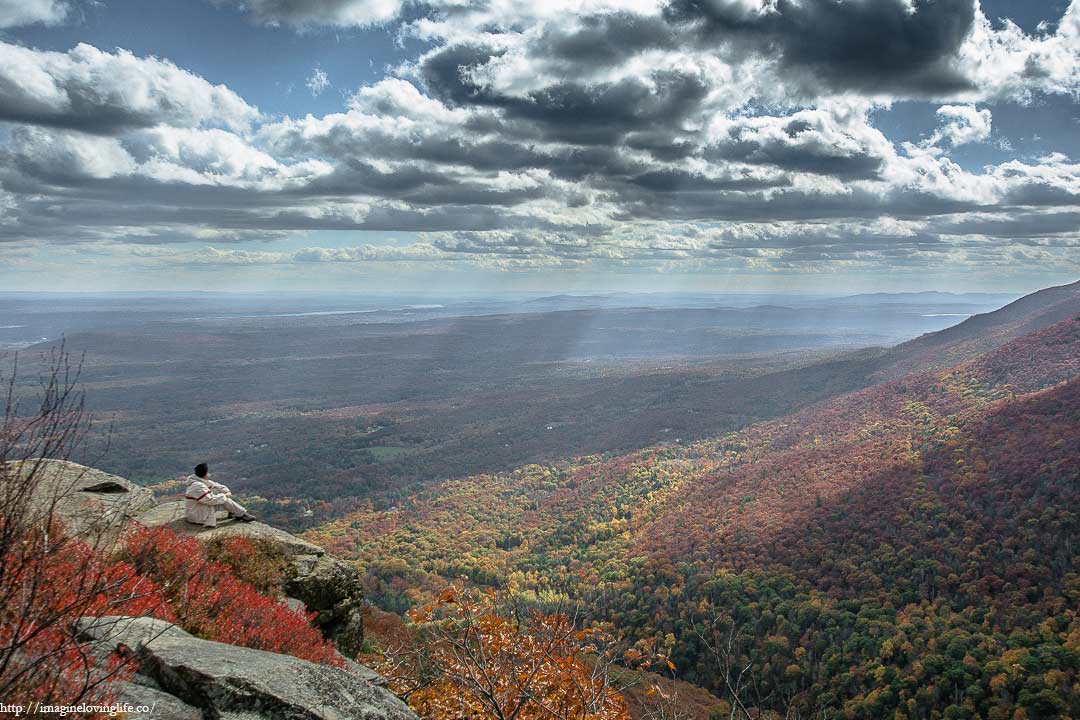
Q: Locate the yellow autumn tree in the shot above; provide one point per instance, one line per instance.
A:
(471, 659)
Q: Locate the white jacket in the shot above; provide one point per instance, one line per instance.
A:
(203, 499)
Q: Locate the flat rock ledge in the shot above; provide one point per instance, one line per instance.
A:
(171, 514)
(184, 677)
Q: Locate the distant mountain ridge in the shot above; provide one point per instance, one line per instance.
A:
(926, 296)
(983, 332)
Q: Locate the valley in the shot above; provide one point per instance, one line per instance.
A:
(316, 402)
(843, 522)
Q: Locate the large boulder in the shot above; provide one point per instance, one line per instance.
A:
(89, 501)
(325, 584)
(98, 506)
(226, 681)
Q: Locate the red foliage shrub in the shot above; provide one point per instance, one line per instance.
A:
(52, 583)
(210, 601)
(257, 562)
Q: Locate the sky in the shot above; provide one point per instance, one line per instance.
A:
(571, 145)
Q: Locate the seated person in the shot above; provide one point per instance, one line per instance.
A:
(204, 498)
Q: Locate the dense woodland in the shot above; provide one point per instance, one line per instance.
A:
(903, 545)
(908, 550)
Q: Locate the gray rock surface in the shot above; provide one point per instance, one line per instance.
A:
(332, 588)
(230, 681)
(89, 501)
(163, 706)
(172, 514)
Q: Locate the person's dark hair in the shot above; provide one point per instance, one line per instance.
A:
(201, 469)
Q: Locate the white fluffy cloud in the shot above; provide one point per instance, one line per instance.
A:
(1009, 63)
(961, 124)
(14, 13)
(61, 155)
(93, 91)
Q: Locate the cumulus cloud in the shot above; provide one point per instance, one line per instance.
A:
(961, 124)
(906, 47)
(839, 144)
(622, 133)
(98, 92)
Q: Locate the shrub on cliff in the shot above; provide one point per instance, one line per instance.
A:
(50, 577)
(256, 561)
(212, 602)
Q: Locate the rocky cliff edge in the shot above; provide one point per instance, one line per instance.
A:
(183, 677)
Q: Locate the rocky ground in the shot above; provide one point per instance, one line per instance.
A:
(183, 677)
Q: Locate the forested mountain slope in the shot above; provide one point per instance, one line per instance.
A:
(907, 550)
(982, 332)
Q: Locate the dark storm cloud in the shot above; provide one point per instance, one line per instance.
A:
(785, 205)
(605, 39)
(789, 153)
(355, 177)
(877, 47)
(1018, 225)
(446, 73)
(580, 163)
(605, 112)
(1044, 194)
(345, 146)
(662, 145)
(73, 220)
(874, 46)
(677, 181)
(567, 110)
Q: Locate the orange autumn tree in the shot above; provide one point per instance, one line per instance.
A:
(472, 659)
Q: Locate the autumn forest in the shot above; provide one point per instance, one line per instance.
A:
(620, 512)
(905, 551)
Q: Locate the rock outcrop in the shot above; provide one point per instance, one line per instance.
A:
(185, 677)
(216, 680)
(325, 584)
(331, 587)
(89, 501)
(93, 502)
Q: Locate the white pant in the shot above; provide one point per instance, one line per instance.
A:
(233, 507)
(204, 510)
